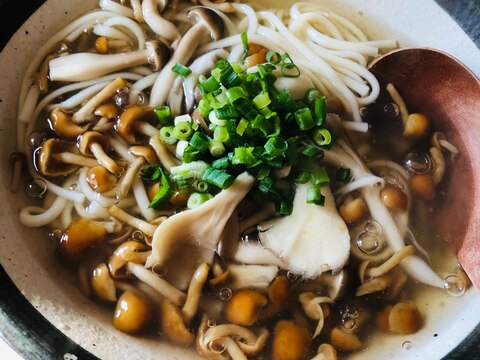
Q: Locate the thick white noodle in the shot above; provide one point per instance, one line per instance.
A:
(121, 147)
(31, 101)
(34, 216)
(66, 215)
(141, 85)
(80, 97)
(64, 192)
(130, 25)
(142, 200)
(116, 8)
(110, 32)
(251, 16)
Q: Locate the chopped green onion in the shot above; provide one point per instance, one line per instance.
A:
(182, 119)
(180, 149)
(192, 170)
(181, 70)
(311, 151)
(221, 163)
(246, 48)
(167, 134)
(227, 112)
(320, 177)
(262, 100)
(320, 110)
(275, 146)
(199, 141)
(292, 150)
(246, 107)
(265, 185)
(164, 193)
(235, 93)
(209, 84)
(303, 177)
(183, 131)
(243, 156)
(200, 185)
(204, 108)
(322, 137)
(221, 134)
(262, 124)
(304, 119)
(343, 174)
(242, 126)
(151, 173)
(314, 196)
(190, 154)
(263, 172)
(273, 57)
(218, 178)
(216, 148)
(311, 95)
(217, 74)
(228, 77)
(214, 119)
(164, 114)
(290, 70)
(197, 199)
(284, 207)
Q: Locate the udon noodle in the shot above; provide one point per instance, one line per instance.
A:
(207, 164)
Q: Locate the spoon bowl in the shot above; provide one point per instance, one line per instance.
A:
(438, 85)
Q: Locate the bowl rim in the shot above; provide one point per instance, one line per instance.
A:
(32, 336)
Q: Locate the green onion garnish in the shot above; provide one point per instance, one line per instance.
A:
(197, 199)
(181, 70)
(320, 177)
(218, 178)
(167, 134)
(304, 119)
(275, 146)
(216, 148)
(311, 151)
(199, 141)
(322, 137)
(164, 193)
(164, 114)
(246, 48)
(183, 131)
(314, 196)
(343, 174)
(320, 110)
(200, 185)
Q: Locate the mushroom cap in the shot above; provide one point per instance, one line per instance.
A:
(47, 163)
(63, 125)
(159, 54)
(82, 235)
(107, 110)
(146, 152)
(131, 115)
(89, 138)
(210, 18)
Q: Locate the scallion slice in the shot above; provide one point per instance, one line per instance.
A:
(314, 196)
(181, 70)
(164, 114)
(275, 146)
(167, 134)
(216, 148)
(322, 137)
(199, 141)
(320, 177)
(246, 47)
(183, 131)
(304, 119)
(218, 178)
(164, 193)
(343, 174)
(196, 199)
(200, 185)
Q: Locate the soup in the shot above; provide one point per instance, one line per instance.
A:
(246, 133)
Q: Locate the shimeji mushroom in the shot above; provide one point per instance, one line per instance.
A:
(315, 239)
(132, 313)
(63, 125)
(312, 305)
(244, 307)
(207, 22)
(107, 114)
(88, 66)
(133, 251)
(190, 307)
(100, 179)
(344, 341)
(290, 341)
(172, 324)
(59, 158)
(137, 120)
(94, 143)
(163, 28)
(81, 235)
(190, 237)
(103, 285)
(401, 318)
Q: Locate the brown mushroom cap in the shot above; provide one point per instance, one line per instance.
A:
(159, 54)
(146, 152)
(173, 326)
(47, 163)
(211, 20)
(128, 251)
(89, 138)
(108, 110)
(63, 125)
(81, 235)
(130, 116)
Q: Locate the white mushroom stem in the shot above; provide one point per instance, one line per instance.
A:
(102, 157)
(163, 28)
(116, 8)
(139, 224)
(166, 159)
(255, 348)
(86, 112)
(190, 307)
(159, 284)
(312, 307)
(373, 285)
(251, 276)
(234, 350)
(393, 261)
(146, 129)
(88, 66)
(143, 201)
(130, 176)
(75, 159)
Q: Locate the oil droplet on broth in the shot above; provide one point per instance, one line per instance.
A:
(368, 243)
(137, 235)
(408, 345)
(373, 227)
(36, 188)
(160, 269)
(55, 235)
(454, 285)
(211, 323)
(74, 187)
(391, 110)
(349, 323)
(418, 163)
(37, 138)
(225, 294)
(218, 345)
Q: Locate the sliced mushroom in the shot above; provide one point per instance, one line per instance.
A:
(173, 326)
(312, 305)
(80, 236)
(290, 341)
(392, 262)
(100, 179)
(94, 143)
(88, 66)
(132, 313)
(373, 285)
(59, 158)
(63, 125)
(86, 112)
(102, 284)
(137, 120)
(244, 307)
(130, 176)
(207, 22)
(202, 347)
(251, 276)
(133, 251)
(190, 307)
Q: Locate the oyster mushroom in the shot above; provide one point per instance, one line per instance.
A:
(137, 120)
(173, 326)
(207, 22)
(163, 28)
(190, 237)
(88, 66)
(93, 143)
(312, 305)
(59, 158)
(129, 251)
(103, 285)
(190, 307)
(63, 125)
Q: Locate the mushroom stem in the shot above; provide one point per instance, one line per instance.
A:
(396, 259)
(75, 159)
(139, 224)
(186, 47)
(163, 28)
(194, 291)
(146, 129)
(166, 159)
(130, 176)
(234, 350)
(86, 111)
(103, 158)
(88, 66)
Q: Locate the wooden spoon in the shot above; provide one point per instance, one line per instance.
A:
(438, 85)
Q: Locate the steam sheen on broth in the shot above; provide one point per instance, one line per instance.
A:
(217, 175)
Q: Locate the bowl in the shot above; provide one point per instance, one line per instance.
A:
(43, 315)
